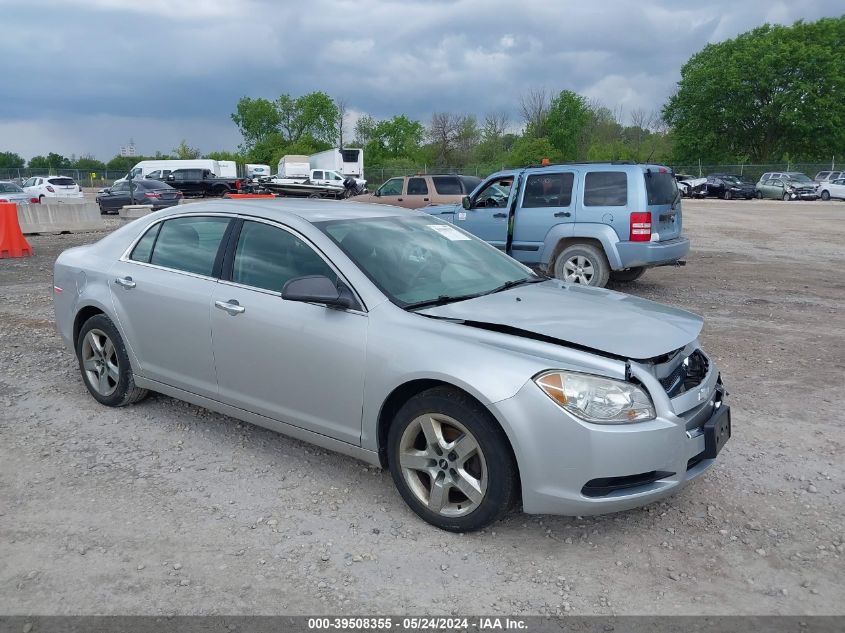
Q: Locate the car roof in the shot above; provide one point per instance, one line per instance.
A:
(307, 209)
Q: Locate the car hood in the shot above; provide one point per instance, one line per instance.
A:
(436, 209)
(594, 318)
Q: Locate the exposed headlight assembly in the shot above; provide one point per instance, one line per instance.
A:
(596, 399)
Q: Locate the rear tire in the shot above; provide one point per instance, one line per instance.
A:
(825, 195)
(786, 197)
(104, 364)
(582, 264)
(627, 275)
(443, 442)
(727, 195)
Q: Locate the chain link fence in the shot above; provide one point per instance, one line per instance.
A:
(84, 178)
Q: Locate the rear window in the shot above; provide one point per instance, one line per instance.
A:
(447, 185)
(605, 189)
(62, 182)
(661, 187)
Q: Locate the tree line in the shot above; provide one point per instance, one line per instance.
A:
(773, 94)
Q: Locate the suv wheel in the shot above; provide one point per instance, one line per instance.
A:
(582, 264)
(629, 274)
(727, 195)
(104, 364)
(451, 462)
(825, 195)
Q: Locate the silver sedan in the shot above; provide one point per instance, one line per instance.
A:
(395, 337)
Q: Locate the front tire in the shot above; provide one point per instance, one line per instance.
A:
(104, 364)
(786, 197)
(727, 195)
(825, 195)
(582, 264)
(451, 462)
(629, 274)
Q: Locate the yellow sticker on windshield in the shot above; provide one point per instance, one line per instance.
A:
(449, 232)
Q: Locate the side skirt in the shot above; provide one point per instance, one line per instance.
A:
(323, 441)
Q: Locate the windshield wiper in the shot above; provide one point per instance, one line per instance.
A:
(517, 282)
(439, 301)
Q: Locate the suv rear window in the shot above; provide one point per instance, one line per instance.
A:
(62, 182)
(447, 185)
(606, 189)
(661, 187)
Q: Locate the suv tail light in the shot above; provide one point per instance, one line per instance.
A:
(641, 226)
(152, 194)
(50, 189)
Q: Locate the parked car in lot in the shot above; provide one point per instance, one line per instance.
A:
(828, 176)
(153, 192)
(396, 337)
(830, 189)
(796, 176)
(726, 186)
(583, 223)
(199, 183)
(11, 192)
(58, 187)
(786, 188)
(414, 192)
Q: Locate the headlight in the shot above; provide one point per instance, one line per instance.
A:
(596, 399)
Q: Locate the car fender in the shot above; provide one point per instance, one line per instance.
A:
(573, 230)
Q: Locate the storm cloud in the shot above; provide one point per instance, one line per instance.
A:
(84, 76)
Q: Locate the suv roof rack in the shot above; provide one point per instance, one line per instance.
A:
(588, 162)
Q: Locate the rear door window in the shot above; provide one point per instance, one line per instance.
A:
(606, 189)
(660, 187)
(417, 187)
(189, 244)
(144, 248)
(318, 175)
(447, 185)
(548, 190)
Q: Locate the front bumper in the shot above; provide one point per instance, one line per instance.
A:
(571, 467)
(635, 254)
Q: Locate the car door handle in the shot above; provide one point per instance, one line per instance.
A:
(398, 199)
(126, 282)
(500, 215)
(562, 214)
(425, 199)
(231, 307)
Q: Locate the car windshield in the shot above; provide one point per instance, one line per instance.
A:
(799, 178)
(9, 187)
(419, 260)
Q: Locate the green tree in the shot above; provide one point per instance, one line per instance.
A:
(10, 160)
(50, 161)
(386, 141)
(185, 151)
(772, 91)
(314, 114)
(87, 164)
(528, 150)
(222, 155)
(256, 119)
(123, 163)
(566, 121)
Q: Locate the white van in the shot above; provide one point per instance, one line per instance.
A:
(159, 169)
(257, 171)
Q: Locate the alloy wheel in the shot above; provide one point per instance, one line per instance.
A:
(578, 270)
(443, 465)
(99, 360)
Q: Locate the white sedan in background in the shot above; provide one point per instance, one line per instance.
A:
(60, 187)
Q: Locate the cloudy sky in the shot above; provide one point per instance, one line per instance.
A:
(85, 76)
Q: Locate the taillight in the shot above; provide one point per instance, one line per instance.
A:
(34, 200)
(152, 194)
(641, 226)
(178, 194)
(50, 189)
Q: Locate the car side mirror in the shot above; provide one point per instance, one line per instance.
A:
(315, 289)
(466, 203)
(107, 190)
(171, 177)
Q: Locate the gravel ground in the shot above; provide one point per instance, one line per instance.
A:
(166, 508)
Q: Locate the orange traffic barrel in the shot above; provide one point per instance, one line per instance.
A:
(12, 241)
(249, 195)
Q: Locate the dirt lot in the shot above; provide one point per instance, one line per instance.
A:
(165, 508)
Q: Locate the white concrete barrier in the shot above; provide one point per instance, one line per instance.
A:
(63, 217)
(131, 212)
